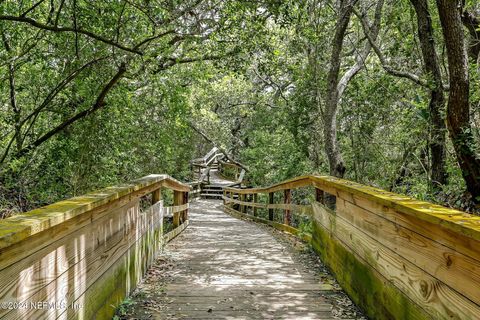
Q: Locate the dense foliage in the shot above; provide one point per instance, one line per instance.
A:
(99, 92)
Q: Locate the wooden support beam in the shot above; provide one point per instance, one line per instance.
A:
(185, 212)
(255, 200)
(287, 199)
(243, 208)
(270, 211)
(156, 195)
(177, 200)
(319, 195)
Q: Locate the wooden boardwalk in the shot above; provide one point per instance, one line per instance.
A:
(224, 268)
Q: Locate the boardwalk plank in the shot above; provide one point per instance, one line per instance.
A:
(224, 268)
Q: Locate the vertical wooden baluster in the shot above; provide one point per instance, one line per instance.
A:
(156, 195)
(320, 196)
(185, 201)
(270, 210)
(224, 197)
(255, 200)
(287, 199)
(177, 200)
(242, 206)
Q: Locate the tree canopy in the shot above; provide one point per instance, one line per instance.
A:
(386, 93)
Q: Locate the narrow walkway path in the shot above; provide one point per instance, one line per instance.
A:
(217, 179)
(225, 268)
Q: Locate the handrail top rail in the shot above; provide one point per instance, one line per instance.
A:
(455, 220)
(230, 164)
(210, 153)
(21, 226)
(205, 158)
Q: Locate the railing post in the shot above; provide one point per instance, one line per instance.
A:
(287, 199)
(320, 196)
(156, 195)
(242, 206)
(177, 200)
(270, 210)
(185, 201)
(255, 200)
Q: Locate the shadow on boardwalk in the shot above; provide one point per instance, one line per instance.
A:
(225, 268)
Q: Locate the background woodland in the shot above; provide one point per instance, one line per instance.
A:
(382, 92)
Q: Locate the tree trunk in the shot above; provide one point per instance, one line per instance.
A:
(335, 160)
(458, 108)
(438, 175)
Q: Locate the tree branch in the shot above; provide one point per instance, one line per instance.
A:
(32, 8)
(397, 73)
(362, 56)
(55, 28)
(99, 103)
(60, 87)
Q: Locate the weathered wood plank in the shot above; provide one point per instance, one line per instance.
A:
(450, 267)
(444, 236)
(47, 224)
(175, 232)
(26, 278)
(454, 220)
(87, 268)
(59, 264)
(429, 293)
(236, 270)
(296, 208)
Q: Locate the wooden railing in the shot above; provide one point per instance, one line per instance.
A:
(231, 171)
(396, 257)
(205, 163)
(79, 258)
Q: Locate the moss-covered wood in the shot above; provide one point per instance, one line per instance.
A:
(367, 288)
(90, 258)
(455, 220)
(398, 258)
(398, 264)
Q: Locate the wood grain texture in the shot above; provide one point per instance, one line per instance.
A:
(432, 295)
(65, 263)
(73, 279)
(448, 266)
(239, 270)
(457, 221)
(37, 277)
(444, 236)
(22, 226)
